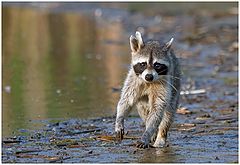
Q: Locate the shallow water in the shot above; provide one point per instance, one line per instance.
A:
(60, 65)
(66, 62)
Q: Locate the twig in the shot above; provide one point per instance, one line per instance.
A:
(193, 92)
(26, 151)
(11, 141)
(87, 131)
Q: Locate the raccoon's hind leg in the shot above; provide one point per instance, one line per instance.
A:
(163, 129)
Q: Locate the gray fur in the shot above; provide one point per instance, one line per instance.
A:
(156, 101)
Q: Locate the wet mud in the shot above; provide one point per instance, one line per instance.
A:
(195, 138)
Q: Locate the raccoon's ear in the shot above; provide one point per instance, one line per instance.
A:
(136, 42)
(168, 45)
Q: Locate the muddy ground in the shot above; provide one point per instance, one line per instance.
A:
(197, 138)
(205, 128)
(194, 137)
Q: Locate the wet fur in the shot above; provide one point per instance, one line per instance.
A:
(155, 101)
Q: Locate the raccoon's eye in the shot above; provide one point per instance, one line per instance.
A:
(143, 64)
(160, 68)
(158, 65)
(140, 67)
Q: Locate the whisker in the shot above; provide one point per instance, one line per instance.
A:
(162, 71)
(170, 85)
(169, 75)
(172, 77)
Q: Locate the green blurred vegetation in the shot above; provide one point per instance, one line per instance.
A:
(57, 66)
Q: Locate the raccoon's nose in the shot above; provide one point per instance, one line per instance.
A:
(149, 77)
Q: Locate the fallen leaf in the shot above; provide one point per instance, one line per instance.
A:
(106, 138)
(183, 111)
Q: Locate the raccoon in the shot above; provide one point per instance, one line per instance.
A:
(152, 87)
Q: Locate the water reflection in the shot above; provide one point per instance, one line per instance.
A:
(160, 155)
(59, 66)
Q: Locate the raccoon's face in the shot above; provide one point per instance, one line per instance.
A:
(150, 69)
(150, 60)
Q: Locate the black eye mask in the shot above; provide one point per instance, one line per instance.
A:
(140, 67)
(161, 69)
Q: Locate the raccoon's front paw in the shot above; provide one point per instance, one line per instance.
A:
(159, 143)
(119, 134)
(119, 131)
(141, 144)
